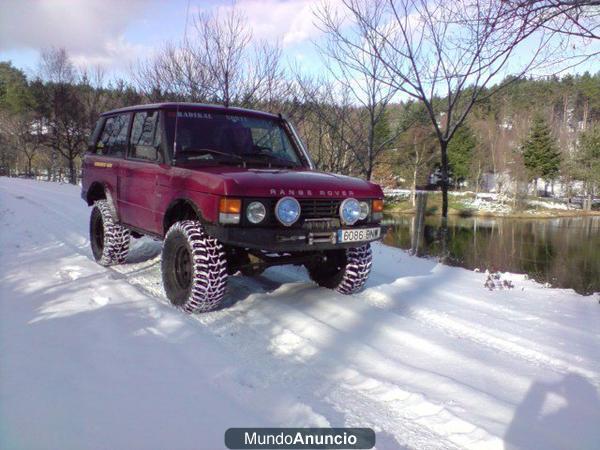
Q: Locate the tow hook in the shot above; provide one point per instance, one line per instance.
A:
(319, 238)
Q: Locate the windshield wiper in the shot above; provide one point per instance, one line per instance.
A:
(283, 162)
(211, 151)
(249, 157)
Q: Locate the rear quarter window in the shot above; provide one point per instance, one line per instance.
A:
(145, 136)
(113, 139)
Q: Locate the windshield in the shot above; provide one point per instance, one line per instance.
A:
(205, 137)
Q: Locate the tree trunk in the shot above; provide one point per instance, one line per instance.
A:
(444, 150)
(418, 223)
(586, 112)
(72, 174)
(414, 187)
(477, 177)
(588, 202)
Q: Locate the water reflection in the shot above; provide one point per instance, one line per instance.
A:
(564, 252)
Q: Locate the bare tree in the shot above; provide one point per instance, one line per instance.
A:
(174, 72)
(447, 54)
(223, 40)
(22, 136)
(324, 121)
(66, 126)
(360, 73)
(218, 63)
(416, 149)
(580, 18)
(92, 92)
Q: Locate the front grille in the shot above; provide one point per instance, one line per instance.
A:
(319, 209)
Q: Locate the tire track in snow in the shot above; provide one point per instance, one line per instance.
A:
(423, 421)
(317, 333)
(494, 339)
(511, 316)
(498, 341)
(354, 392)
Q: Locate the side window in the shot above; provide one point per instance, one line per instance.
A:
(113, 140)
(145, 136)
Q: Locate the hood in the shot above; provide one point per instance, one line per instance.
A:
(238, 182)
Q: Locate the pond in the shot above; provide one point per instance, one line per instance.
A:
(564, 252)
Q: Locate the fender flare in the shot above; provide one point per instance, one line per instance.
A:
(108, 196)
(181, 201)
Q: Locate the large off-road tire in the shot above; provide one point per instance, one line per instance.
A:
(345, 271)
(109, 240)
(194, 268)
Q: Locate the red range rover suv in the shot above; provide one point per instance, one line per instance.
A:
(229, 190)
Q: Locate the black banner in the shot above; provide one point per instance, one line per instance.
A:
(300, 438)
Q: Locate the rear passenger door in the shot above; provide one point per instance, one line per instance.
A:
(139, 172)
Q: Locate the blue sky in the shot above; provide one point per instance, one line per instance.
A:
(115, 33)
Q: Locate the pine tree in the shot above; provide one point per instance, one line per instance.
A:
(587, 161)
(540, 152)
(460, 153)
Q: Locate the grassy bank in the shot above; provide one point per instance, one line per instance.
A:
(466, 205)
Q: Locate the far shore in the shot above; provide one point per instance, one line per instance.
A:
(465, 204)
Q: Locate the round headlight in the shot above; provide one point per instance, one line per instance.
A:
(287, 211)
(364, 210)
(256, 212)
(350, 211)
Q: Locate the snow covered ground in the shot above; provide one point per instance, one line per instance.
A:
(96, 358)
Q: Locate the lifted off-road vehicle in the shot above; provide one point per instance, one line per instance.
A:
(229, 190)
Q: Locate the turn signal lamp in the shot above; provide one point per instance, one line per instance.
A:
(229, 210)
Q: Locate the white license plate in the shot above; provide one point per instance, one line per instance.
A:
(364, 234)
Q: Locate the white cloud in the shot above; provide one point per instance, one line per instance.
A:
(117, 53)
(290, 21)
(94, 32)
(90, 30)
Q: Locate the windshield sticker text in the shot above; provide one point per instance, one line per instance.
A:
(194, 115)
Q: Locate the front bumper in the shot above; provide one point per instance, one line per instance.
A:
(284, 239)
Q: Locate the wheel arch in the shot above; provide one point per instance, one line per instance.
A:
(181, 209)
(100, 191)
(97, 191)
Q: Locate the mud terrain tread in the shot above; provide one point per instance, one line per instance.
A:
(116, 237)
(209, 266)
(358, 267)
(354, 268)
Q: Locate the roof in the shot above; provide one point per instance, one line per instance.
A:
(193, 106)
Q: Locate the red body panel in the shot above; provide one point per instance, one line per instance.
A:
(143, 191)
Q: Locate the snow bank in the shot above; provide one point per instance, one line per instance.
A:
(400, 193)
(96, 358)
(549, 204)
(488, 203)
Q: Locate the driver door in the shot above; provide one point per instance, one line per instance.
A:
(139, 172)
